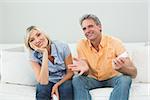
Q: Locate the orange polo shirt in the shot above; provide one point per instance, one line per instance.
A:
(101, 62)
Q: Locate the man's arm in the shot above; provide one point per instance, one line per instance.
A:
(125, 66)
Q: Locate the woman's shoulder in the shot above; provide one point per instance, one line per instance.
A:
(35, 54)
(59, 43)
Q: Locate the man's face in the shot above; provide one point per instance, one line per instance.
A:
(90, 29)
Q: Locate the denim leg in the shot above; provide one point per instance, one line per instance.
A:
(43, 92)
(66, 91)
(121, 85)
(82, 85)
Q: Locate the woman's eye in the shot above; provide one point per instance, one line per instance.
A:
(31, 40)
(38, 34)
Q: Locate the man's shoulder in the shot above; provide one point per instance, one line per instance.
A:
(112, 38)
(82, 42)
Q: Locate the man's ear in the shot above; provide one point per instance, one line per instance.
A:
(100, 27)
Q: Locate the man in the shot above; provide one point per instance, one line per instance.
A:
(99, 64)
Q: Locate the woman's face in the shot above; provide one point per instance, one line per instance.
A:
(37, 39)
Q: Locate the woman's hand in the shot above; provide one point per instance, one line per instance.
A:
(42, 50)
(55, 90)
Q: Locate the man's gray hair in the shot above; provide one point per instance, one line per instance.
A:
(90, 16)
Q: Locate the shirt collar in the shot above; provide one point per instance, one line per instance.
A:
(53, 50)
(102, 43)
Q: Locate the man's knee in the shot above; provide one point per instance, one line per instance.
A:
(125, 80)
(76, 81)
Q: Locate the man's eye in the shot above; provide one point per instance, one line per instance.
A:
(90, 26)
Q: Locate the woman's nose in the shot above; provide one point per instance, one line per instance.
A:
(37, 41)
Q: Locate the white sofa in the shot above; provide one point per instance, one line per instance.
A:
(17, 78)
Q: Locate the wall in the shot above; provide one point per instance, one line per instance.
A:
(0, 22)
(126, 19)
(149, 21)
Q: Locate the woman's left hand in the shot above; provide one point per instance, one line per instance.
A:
(55, 90)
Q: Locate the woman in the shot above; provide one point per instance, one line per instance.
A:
(49, 61)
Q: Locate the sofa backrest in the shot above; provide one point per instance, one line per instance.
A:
(15, 66)
(139, 54)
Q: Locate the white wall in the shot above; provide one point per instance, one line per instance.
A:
(126, 19)
(0, 22)
(149, 21)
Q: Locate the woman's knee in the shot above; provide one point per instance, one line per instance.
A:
(43, 92)
(66, 91)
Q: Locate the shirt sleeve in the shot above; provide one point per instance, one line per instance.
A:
(32, 57)
(66, 50)
(80, 51)
(119, 47)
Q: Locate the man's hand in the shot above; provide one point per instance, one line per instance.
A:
(125, 66)
(121, 63)
(79, 65)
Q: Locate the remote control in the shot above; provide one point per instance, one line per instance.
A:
(124, 55)
(54, 97)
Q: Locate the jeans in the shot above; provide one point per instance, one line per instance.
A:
(120, 84)
(43, 92)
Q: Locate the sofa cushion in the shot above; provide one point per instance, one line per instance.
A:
(138, 91)
(139, 55)
(141, 62)
(7, 46)
(16, 92)
(72, 47)
(16, 67)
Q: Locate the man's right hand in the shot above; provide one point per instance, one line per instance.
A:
(79, 65)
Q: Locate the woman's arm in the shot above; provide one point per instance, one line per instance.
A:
(69, 74)
(41, 72)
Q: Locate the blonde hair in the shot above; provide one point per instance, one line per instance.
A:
(28, 33)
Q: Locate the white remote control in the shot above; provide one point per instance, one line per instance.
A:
(54, 97)
(124, 55)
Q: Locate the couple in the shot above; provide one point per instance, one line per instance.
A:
(98, 64)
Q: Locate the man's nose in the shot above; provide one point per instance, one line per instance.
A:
(87, 30)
